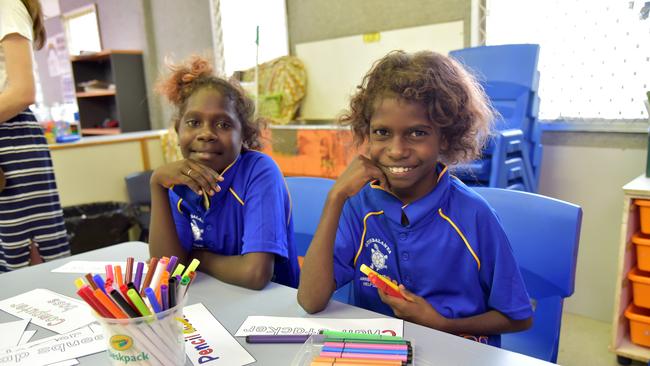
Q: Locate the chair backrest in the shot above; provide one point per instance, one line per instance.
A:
(513, 63)
(308, 195)
(544, 233)
(137, 186)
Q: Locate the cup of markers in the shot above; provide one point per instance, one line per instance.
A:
(139, 313)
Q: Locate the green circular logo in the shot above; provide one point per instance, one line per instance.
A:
(121, 342)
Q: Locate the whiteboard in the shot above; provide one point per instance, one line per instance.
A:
(336, 66)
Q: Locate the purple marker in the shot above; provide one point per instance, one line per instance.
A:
(277, 338)
(138, 276)
(164, 296)
(172, 264)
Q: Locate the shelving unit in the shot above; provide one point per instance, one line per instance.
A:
(620, 342)
(125, 103)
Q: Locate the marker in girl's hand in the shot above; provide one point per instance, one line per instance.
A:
(381, 282)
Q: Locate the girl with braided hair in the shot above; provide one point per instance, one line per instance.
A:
(224, 203)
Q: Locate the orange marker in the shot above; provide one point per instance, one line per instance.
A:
(118, 275)
(381, 282)
(147, 280)
(164, 280)
(319, 360)
(109, 304)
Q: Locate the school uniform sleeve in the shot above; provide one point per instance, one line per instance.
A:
(266, 212)
(348, 235)
(14, 18)
(499, 272)
(181, 221)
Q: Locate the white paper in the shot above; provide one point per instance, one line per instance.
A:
(56, 312)
(65, 363)
(26, 337)
(202, 330)
(94, 267)
(261, 325)
(62, 348)
(11, 332)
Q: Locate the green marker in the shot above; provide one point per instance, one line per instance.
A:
(137, 301)
(179, 269)
(185, 281)
(333, 334)
(192, 267)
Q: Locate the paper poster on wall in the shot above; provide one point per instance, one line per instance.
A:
(57, 55)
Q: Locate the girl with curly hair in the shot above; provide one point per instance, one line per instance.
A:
(398, 210)
(224, 203)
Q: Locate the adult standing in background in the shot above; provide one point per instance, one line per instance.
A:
(31, 220)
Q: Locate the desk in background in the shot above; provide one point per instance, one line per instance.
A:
(232, 304)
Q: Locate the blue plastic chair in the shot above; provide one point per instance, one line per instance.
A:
(510, 78)
(308, 195)
(544, 233)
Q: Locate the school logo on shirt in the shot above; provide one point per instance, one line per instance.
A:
(197, 232)
(379, 252)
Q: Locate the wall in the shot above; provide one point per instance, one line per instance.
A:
(589, 169)
(174, 29)
(121, 27)
(318, 20)
(170, 28)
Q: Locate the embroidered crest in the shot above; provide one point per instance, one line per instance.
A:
(197, 232)
(378, 258)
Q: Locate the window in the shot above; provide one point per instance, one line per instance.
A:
(239, 19)
(594, 58)
(82, 31)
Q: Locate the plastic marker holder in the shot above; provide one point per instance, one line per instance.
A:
(381, 282)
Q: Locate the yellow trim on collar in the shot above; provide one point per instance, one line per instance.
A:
(442, 172)
(178, 205)
(228, 167)
(469, 247)
(236, 196)
(363, 235)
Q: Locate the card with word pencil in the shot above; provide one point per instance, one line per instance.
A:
(354, 349)
(139, 312)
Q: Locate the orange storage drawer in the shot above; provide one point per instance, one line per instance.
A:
(639, 325)
(640, 287)
(644, 213)
(642, 245)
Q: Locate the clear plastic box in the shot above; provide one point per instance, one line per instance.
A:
(312, 348)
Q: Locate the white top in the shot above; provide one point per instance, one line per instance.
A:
(14, 18)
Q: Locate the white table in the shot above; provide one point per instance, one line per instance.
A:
(232, 304)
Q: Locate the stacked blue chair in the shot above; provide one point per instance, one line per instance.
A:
(544, 234)
(308, 195)
(509, 75)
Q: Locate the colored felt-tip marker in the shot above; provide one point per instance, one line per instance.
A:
(151, 295)
(277, 338)
(100, 283)
(109, 272)
(381, 282)
(346, 335)
(192, 267)
(138, 275)
(129, 270)
(179, 270)
(137, 301)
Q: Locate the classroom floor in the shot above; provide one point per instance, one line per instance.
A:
(584, 341)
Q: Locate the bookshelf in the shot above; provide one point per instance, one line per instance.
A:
(125, 101)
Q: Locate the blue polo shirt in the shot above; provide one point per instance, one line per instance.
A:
(447, 247)
(251, 213)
